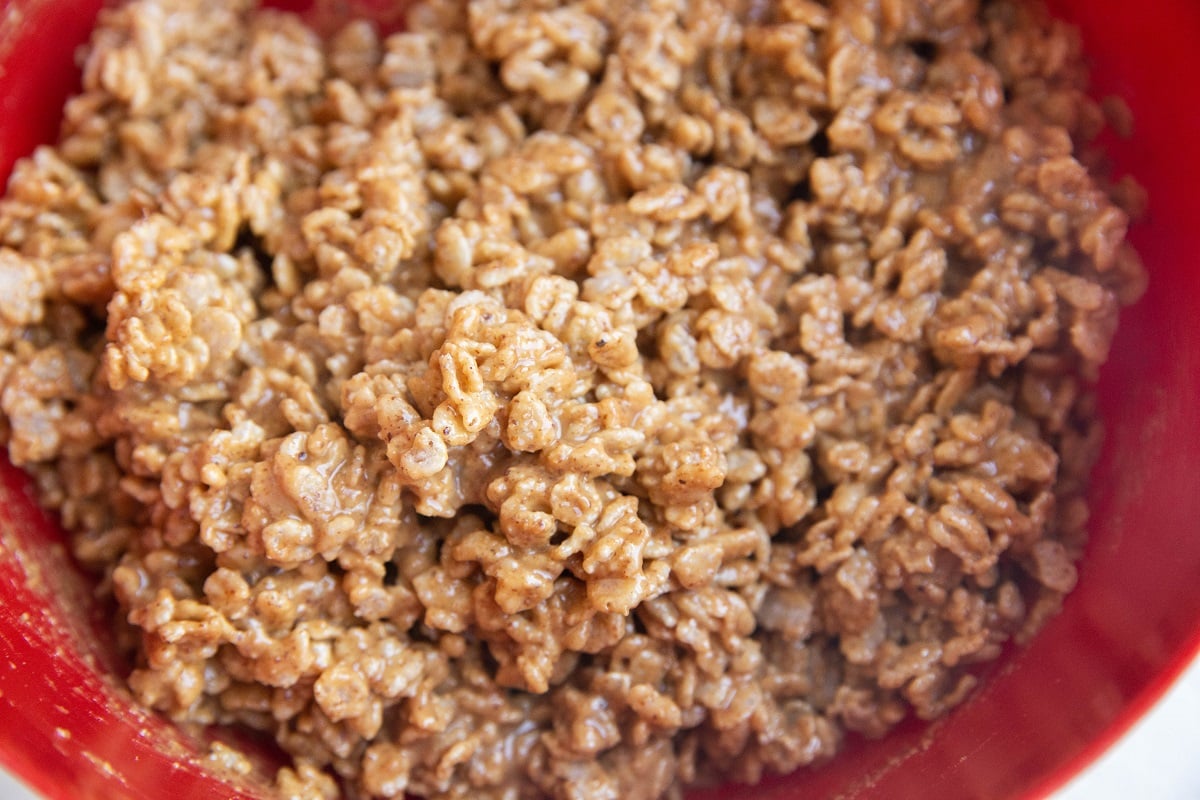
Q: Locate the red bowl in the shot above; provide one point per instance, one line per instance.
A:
(70, 731)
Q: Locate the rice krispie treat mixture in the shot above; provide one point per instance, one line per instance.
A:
(579, 399)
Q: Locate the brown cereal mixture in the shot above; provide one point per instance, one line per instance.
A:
(580, 400)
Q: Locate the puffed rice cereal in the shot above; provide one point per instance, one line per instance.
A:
(582, 399)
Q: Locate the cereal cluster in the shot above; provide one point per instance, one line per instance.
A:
(579, 398)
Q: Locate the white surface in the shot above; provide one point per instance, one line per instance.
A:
(1157, 759)
(11, 790)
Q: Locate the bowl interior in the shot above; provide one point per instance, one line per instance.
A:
(1046, 710)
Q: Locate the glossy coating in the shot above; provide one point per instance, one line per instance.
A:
(1043, 713)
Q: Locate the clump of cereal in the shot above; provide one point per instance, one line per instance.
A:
(581, 399)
